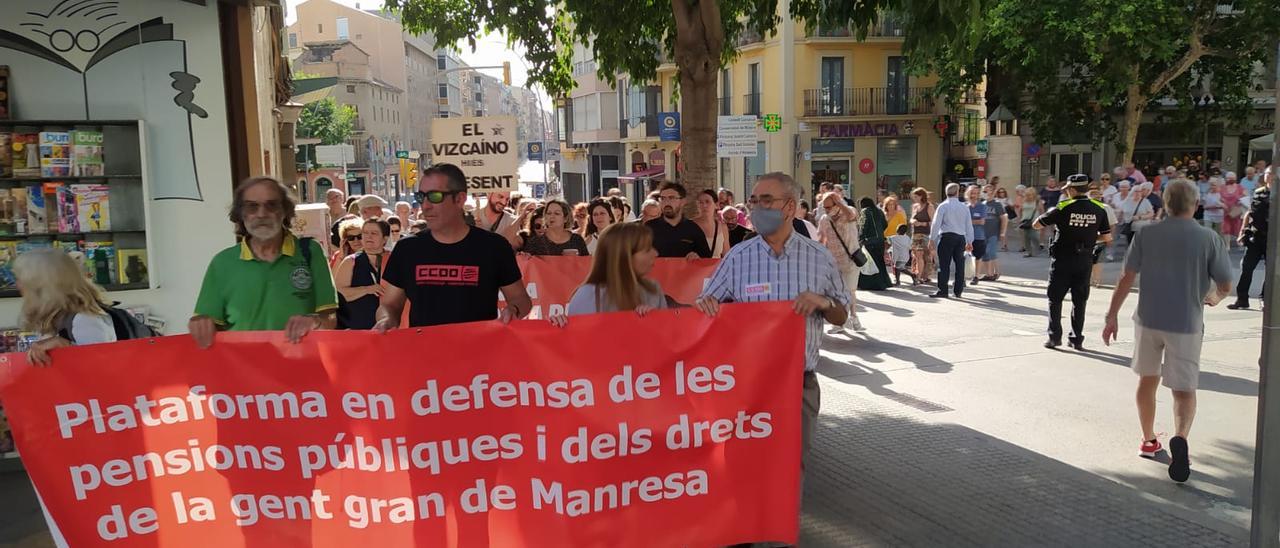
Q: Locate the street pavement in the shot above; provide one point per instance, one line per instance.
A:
(946, 423)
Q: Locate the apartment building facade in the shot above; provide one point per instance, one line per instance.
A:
(397, 82)
(850, 114)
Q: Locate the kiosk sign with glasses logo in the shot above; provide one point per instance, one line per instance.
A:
(483, 147)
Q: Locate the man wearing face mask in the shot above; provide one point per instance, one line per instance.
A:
(271, 280)
(782, 265)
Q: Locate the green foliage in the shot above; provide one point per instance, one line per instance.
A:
(326, 120)
(1071, 65)
(625, 36)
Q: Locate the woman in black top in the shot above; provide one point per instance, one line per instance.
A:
(359, 278)
(557, 239)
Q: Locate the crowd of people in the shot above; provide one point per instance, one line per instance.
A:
(449, 259)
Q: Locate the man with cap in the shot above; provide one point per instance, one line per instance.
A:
(371, 207)
(1080, 221)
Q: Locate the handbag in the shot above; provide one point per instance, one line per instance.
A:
(1026, 224)
(858, 256)
(869, 269)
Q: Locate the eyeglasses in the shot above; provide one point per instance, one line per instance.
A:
(434, 196)
(353, 237)
(765, 200)
(272, 206)
(668, 198)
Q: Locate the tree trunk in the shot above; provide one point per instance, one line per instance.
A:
(699, 41)
(1134, 105)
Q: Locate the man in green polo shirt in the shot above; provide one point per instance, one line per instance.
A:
(264, 283)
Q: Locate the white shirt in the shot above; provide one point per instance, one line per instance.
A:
(92, 329)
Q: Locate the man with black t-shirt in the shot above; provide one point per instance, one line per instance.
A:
(737, 232)
(674, 235)
(451, 273)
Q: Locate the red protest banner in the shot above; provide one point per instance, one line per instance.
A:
(684, 434)
(551, 281)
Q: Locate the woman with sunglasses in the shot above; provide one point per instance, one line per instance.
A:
(618, 278)
(557, 239)
(349, 241)
(533, 228)
(600, 216)
(359, 278)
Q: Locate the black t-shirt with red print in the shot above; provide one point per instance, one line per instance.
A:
(452, 283)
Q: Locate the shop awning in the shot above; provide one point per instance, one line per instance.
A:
(310, 90)
(651, 173)
(1262, 143)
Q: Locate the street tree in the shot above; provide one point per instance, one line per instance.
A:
(630, 37)
(328, 121)
(1072, 67)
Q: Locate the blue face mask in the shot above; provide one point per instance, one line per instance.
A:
(767, 222)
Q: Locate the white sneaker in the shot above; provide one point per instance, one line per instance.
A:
(836, 330)
(854, 324)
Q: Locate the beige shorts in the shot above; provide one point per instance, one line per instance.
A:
(851, 276)
(1174, 357)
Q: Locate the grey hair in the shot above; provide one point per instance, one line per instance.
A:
(791, 187)
(953, 189)
(1181, 197)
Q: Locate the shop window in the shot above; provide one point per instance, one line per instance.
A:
(895, 163)
(831, 171)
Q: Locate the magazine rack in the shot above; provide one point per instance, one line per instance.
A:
(119, 232)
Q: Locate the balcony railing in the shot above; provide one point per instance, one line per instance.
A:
(749, 36)
(751, 103)
(888, 25)
(640, 126)
(726, 106)
(836, 101)
(972, 97)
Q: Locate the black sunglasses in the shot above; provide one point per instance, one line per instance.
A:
(353, 238)
(434, 196)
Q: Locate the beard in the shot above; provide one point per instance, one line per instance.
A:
(497, 209)
(264, 230)
(670, 212)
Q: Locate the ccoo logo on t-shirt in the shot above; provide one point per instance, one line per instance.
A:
(442, 274)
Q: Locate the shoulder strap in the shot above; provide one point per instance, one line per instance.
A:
(836, 230)
(304, 244)
(494, 226)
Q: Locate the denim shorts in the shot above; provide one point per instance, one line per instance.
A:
(992, 251)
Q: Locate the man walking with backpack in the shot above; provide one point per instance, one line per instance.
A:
(271, 280)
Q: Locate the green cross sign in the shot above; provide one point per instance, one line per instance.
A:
(772, 123)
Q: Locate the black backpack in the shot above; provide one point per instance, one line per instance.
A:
(125, 324)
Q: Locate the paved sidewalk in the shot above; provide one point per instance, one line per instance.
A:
(880, 476)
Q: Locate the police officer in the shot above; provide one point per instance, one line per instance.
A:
(1080, 221)
(1254, 238)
